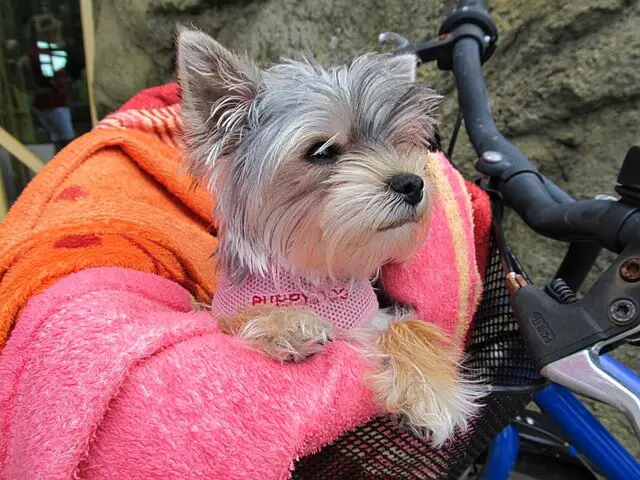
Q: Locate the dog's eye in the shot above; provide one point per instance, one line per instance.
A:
(317, 154)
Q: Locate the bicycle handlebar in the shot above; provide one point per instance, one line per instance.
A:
(564, 337)
(546, 208)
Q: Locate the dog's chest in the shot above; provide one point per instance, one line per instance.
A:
(345, 304)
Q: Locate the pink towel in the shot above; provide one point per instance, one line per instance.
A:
(109, 375)
(442, 281)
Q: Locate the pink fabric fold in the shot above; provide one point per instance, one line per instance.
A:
(442, 280)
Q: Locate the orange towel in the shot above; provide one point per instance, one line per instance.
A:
(114, 197)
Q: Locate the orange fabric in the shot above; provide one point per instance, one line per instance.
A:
(111, 198)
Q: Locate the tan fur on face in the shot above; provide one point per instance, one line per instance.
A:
(285, 334)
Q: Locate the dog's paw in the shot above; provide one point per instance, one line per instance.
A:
(418, 378)
(433, 408)
(287, 334)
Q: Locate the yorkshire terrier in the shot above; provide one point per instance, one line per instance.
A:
(320, 177)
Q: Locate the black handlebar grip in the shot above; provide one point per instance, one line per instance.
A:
(474, 101)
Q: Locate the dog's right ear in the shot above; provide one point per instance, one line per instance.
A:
(218, 88)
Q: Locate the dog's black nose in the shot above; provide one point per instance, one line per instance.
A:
(409, 185)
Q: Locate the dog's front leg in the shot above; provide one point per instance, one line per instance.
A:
(418, 377)
(288, 334)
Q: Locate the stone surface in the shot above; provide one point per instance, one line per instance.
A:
(564, 80)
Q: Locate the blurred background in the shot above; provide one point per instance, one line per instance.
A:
(43, 89)
(564, 82)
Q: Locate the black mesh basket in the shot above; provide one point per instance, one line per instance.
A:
(382, 449)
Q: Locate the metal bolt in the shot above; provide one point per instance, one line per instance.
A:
(622, 311)
(602, 196)
(630, 269)
(491, 157)
(393, 37)
(515, 282)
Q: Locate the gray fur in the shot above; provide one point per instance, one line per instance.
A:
(247, 132)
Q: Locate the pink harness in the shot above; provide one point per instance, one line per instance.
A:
(345, 304)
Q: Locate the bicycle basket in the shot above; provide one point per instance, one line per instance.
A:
(383, 449)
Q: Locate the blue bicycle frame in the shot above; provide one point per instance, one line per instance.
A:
(586, 434)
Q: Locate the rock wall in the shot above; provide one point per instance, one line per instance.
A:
(564, 81)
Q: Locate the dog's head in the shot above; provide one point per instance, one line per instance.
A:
(319, 170)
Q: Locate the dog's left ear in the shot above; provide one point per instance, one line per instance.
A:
(218, 88)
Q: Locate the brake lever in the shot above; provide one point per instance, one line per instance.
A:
(584, 372)
(566, 340)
